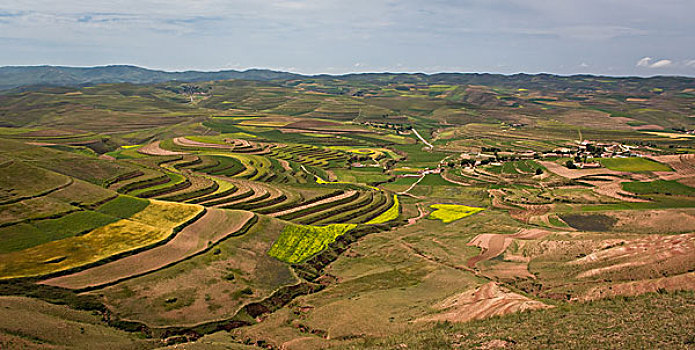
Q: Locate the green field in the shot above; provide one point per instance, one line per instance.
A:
(634, 165)
(451, 212)
(299, 242)
(129, 202)
(659, 187)
(154, 223)
(391, 214)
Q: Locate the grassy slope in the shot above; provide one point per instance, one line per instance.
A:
(649, 321)
(33, 324)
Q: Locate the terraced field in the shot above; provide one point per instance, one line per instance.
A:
(196, 238)
(156, 223)
(283, 213)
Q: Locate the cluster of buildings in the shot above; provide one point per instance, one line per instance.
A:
(580, 154)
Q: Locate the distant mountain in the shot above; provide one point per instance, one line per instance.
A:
(17, 76)
(20, 76)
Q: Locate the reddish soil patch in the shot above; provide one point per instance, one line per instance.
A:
(182, 141)
(285, 164)
(684, 281)
(153, 149)
(576, 173)
(612, 188)
(654, 221)
(495, 244)
(683, 166)
(648, 127)
(497, 202)
(41, 143)
(486, 301)
(673, 253)
(421, 214)
(107, 157)
(213, 227)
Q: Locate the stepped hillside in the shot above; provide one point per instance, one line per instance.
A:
(361, 211)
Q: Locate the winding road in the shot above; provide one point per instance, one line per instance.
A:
(422, 139)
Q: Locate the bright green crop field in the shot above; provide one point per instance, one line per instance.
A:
(452, 212)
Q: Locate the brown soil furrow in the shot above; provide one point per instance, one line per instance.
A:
(258, 191)
(213, 227)
(323, 201)
(285, 164)
(153, 149)
(683, 166)
(576, 173)
(684, 281)
(182, 141)
(614, 190)
(493, 245)
(485, 301)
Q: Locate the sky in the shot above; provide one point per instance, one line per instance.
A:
(607, 37)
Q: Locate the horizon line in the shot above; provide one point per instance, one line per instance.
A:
(276, 70)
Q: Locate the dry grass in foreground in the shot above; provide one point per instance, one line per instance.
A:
(650, 321)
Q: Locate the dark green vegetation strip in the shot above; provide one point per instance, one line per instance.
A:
(214, 195)
(124, 206)
(318, 208)
(33, 233)
(636, 165)
(192, 194)
(659, 187)
(589, 222)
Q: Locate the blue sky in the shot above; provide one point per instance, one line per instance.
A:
(611, 37)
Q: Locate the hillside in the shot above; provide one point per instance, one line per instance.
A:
(18, 76)
(362, 211)
(25, 76)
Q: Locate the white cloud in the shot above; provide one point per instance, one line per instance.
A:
(661, 64)
(647, 62)
(690, 63)
(644, 62)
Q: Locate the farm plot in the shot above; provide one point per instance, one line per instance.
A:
(659, 187)
(20, 181)
(194, 239)
(314, 202)
(452, 212)
(389, 215)
(37, 232)
(682, 164)
(300, 242)
(633, 165)
(157, 222)
(153, 149)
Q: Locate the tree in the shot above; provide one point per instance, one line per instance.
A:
(539, 171)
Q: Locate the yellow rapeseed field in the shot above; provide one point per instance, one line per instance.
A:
(452, 212)
(151, 225)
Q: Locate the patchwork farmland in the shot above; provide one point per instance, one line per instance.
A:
(275, 214)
